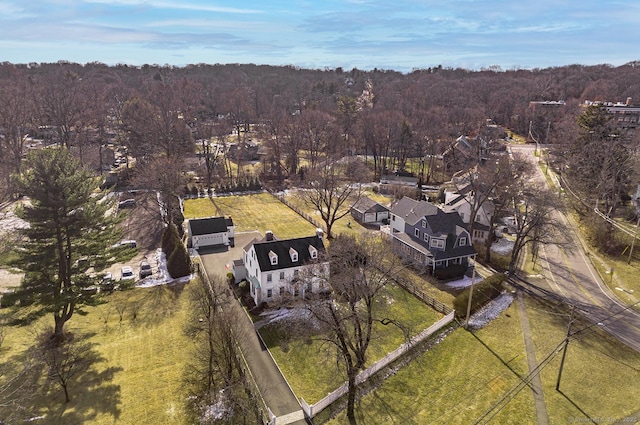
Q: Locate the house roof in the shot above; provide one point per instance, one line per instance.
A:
(411, 210)
(206, 226)
(282, 249)
(366, 204)
(436, 254)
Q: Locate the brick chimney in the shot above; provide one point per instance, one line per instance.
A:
(268, 235)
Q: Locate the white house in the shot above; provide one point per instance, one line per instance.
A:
(282, 268)
(210, 231)
(461, 202)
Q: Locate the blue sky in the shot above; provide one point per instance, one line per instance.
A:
(399, 34)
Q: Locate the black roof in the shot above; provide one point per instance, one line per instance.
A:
(282, 248)
(206, 226)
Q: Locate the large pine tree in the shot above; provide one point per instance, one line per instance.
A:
(72, 229)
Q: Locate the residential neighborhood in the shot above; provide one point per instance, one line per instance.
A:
(298, 245)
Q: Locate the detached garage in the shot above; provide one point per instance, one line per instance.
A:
(211, 231)
(366, 210)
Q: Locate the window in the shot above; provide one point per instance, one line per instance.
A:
(426, 237)
(269, 293)
(269, 278)
(313, 252)
(281, 275)
(437, 243)
(463, 241)
(282, 290)
(424, 223)
(273, 257)
(296, 272)
(416, 232)
(293, 254)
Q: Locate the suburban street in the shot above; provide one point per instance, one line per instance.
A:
(568, 272)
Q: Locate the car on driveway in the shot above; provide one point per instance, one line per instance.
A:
(145, 270)
(126, 273)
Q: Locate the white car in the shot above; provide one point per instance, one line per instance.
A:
(126, 273)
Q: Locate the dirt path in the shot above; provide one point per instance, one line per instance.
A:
(536, 383)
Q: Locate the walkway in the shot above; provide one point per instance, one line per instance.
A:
(536, 383)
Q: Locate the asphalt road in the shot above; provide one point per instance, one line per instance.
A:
(569, 273)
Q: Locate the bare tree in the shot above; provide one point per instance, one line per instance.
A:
(214, 374)
(329, 194)
(536, 223)
(360, 271)
(66, 361)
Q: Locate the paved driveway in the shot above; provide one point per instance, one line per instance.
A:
(272, 385)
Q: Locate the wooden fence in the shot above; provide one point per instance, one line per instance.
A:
(301, 213)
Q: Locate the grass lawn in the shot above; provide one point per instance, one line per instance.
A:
(600, 376)
(345, 225)
(143, 359)
(310, 366)
(260, 212)
(459, 380)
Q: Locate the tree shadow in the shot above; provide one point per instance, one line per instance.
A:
(586, 417)
(497, 356)
(92, 394)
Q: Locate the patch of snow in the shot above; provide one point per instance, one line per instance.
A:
(10, 221)
(491, 311)
(465, 282)
(282, 314)
(503, 246)
(162, 276)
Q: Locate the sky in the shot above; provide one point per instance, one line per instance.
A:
(399, 35)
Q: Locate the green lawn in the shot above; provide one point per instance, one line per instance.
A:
(260, 212)
(459, 380)
(139, 377)
(310, 366)
(345, 225)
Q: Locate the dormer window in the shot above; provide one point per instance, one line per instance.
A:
(273, 257)
(463, 241)
(313, 252)
(293, 254)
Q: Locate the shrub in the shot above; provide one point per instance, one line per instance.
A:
(179, 262)
(483, 292)
(452, 272)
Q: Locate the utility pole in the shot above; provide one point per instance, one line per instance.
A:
(566, 344)
(635, 234)
(473, 278)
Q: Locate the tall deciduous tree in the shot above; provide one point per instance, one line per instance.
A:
(329, 194)
(70, 230)
(360, 271)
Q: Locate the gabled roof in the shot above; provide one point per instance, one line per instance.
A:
(207, 226)
(282, 249)
(366, 204)
(411, 210)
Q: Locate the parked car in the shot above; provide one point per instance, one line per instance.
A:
(145, 270)
(129, 243)
(127, 203)
(106, 283)
(126, 273)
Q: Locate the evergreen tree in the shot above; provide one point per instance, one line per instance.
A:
(71, 230)
(179, 263)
